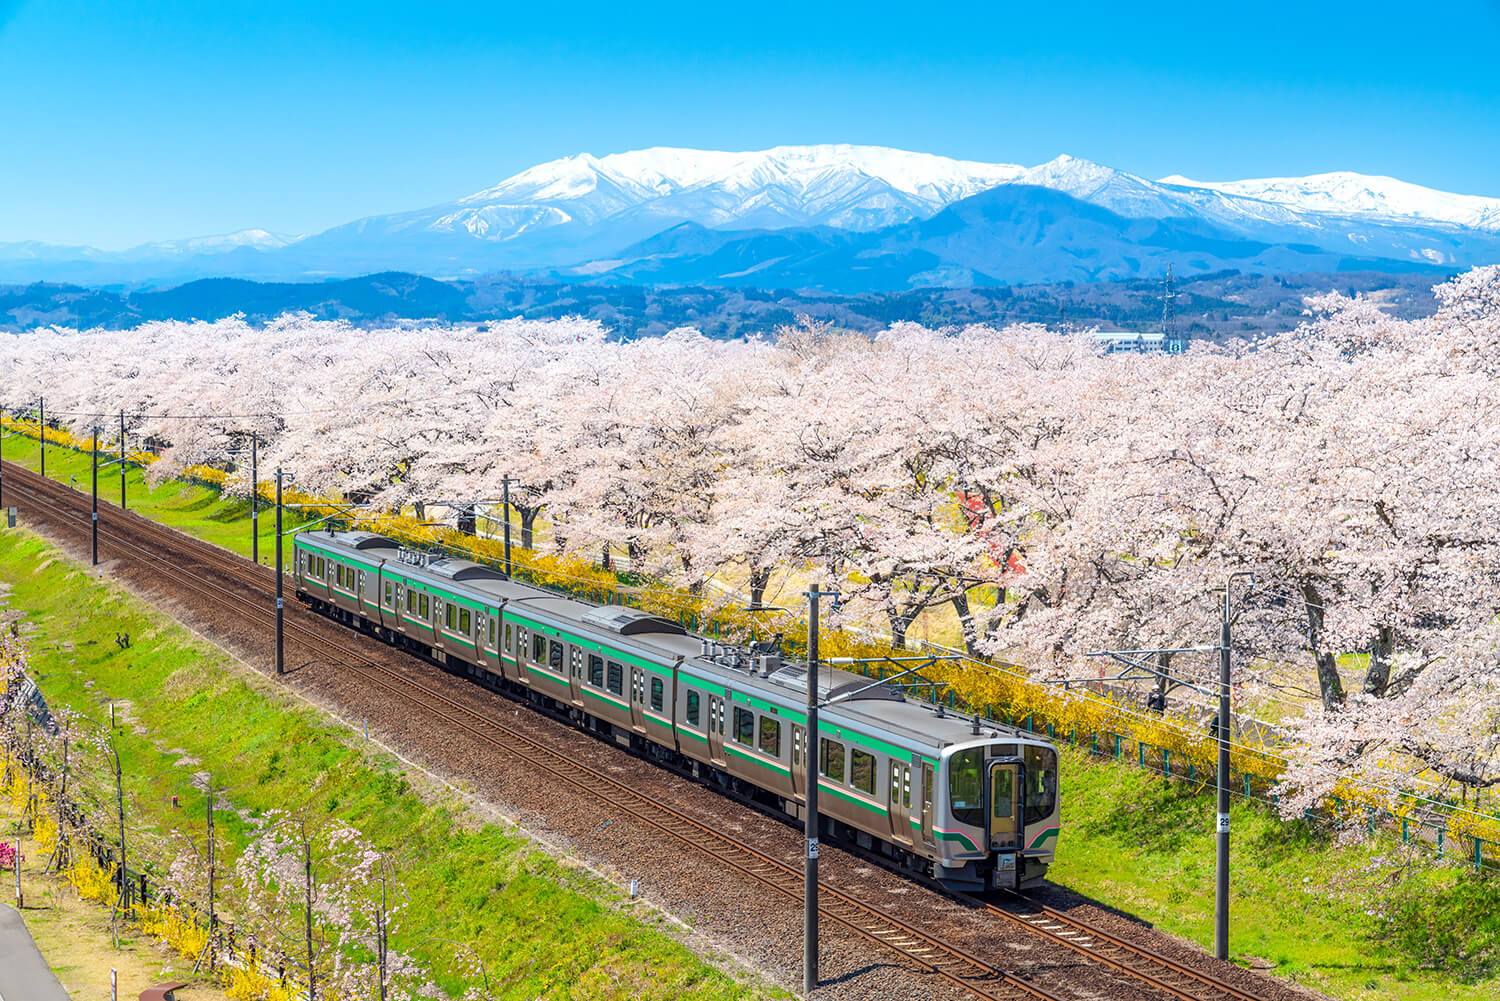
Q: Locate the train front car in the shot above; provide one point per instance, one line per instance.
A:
(1001, 811)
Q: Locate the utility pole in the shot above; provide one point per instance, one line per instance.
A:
(122, 460)
(1221, 873)
(95, 521)
(211, 874)
(41, 423)
(505, 491)
(2, 455)
(280, 603)
(254, 501)
(810, 822)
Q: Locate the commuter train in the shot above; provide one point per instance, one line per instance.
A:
(968, 802)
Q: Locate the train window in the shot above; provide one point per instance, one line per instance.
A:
(966, 786)
(1041, 783)
(538, 648)
(596, 670)
(862, 771)
(770, 736)
(411, 601)
(744, 726)
(692, 708)
(465, 621)
(507, 636)
(555, 656)
(796, 746)
(616, 678)
(425, 608)
(831, 759)
(322, 568)
(895, 784)
(657, 695)
(388, 591)
(906, 787)
(450, 616)
(492, 632)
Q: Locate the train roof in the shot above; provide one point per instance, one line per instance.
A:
(876, 708)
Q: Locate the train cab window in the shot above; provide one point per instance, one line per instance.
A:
(770, 736)
(616, 678)
(831, 759)
(693, 714)
(1041, 783)
(425, 610)
(862, 771)
(657, 694)
(555, 656)
(538, 648)
(596, 670)
(744, 726)
(966, 786)
(465, 621)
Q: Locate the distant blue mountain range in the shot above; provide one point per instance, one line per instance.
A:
(850, 219)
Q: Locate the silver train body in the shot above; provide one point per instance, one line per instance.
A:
(973, 804)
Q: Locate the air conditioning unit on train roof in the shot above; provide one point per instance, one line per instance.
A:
(631, 621)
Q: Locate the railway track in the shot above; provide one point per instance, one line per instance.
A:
(930, 954)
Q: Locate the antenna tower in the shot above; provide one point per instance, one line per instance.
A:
(1169, 313)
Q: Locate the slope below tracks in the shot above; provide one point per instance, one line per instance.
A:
(945, 946)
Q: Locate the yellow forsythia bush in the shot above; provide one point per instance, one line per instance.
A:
(92, 880)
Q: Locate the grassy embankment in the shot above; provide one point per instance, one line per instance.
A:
(1354, 922)
(543, 927)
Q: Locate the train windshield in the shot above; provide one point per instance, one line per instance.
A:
(1041, 783)
(966, 786)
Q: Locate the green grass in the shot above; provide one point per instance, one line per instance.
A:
(198, 510)
(1354, 922)
(544, 927)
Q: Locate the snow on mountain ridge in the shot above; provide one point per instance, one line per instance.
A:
(1346, 193)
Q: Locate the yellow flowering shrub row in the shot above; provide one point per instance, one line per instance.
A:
(252, 985)
(171, 925)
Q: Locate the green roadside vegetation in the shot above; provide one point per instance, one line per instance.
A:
(1360, 921)
(543, 927)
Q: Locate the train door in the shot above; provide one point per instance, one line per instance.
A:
(359, 590)
(1007, 821)
(575, 675)
(716, 729)
(799, 761)
(927, 803)
(900, 801)
(638, 700)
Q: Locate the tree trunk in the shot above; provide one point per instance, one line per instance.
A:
(528, 524)
(1378, 676)
(1329, 684)
(760, 579)
(421, 510)
(966, 622)
(307, 913)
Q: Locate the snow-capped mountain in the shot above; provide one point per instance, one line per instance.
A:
(1361, 195)
(587, 213)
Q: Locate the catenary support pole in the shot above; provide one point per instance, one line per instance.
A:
(41, 426)
(280, 602)
(810, 823)
(254, 500)
(95, 521)
(2, 456)
(505, 489)
(1221, 869)
(122, 460)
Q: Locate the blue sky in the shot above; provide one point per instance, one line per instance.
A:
(126, 122)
